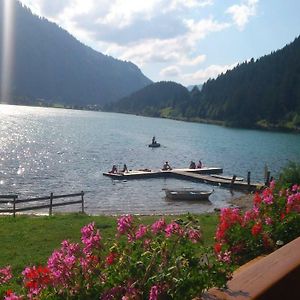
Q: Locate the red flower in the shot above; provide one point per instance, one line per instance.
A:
(256, 229)
(257, 199)
(218, 247)
(110, 259)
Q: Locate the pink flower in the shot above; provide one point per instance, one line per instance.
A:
(141, 231)
(295, 187)
(268, 199)
(173, 228)
(194, 235)
(5, 274)
(10, 295)
(90, 237)
(225, 257)
(272, 184)
(248, 216)
(158, 226)
(154, 292)
(268, 221)
(124, 223)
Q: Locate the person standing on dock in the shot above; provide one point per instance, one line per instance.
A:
(125, 169)
(199, 165)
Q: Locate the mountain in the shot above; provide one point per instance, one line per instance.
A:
(50, 64)
(262, 93)
(160, 99)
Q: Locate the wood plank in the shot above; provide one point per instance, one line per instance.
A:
(275, 276)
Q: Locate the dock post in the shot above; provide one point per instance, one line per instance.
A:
(248, 177)
(232, 181)
(82, 202)
(50, 207)
(267, 183)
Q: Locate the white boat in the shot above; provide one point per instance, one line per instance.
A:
(227, 177)
(188, 194)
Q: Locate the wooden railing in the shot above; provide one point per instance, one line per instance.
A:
(13, 199)
(273, 277)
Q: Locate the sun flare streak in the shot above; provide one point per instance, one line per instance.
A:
(7, 50)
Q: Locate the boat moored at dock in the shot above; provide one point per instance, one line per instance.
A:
(188, 195)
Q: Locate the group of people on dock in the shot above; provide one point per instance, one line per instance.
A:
(166, 167)
(194, 166)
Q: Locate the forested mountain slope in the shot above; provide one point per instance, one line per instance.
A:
(262, 93)
(51, 64)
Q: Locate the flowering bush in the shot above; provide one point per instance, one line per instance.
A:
(158, 261)
(273, 221)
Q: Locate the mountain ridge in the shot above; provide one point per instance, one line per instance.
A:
(262, 93)
(52, 65)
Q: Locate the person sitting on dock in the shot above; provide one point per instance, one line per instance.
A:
(125, 170)
(199, 165)
(192, 165)
(166, 166)
(114, 169)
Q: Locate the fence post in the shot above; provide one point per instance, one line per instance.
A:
(82, 202)
(50, 207)
(14, 205)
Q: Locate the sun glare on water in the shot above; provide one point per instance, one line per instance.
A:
(7, 50)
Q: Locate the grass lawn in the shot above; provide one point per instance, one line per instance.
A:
(29, 240)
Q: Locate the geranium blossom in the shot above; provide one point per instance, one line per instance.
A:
(10, 295)
(5, 274)
(158, 226)
(124, 223)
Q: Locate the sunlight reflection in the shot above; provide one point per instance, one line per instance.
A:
(7, 51)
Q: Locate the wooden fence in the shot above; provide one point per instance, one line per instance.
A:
(49, 203)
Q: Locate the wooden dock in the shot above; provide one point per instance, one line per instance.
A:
(141, 174)
(202, 175)
(218, 181)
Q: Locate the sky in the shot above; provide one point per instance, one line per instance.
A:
(187, 41)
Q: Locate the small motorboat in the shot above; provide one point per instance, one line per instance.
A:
(188, 194)
(154, 145)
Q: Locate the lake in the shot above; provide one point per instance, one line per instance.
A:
(45, 150)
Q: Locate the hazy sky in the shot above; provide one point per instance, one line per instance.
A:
(186, 41)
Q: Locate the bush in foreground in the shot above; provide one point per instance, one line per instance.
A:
(273, 221)
(158, 261)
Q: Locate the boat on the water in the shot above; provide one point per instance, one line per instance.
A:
(154, 145)
(188, 194)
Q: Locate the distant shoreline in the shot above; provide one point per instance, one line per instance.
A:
(270, 128)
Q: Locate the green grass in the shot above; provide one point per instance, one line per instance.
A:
(29, 240)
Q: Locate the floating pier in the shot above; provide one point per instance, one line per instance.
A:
(219, 181)
(140, 174)
(203, 175)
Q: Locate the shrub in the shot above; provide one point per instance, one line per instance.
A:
(290, 175)
(273, 221)
(161, 261)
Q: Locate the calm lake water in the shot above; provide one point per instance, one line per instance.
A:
(45, 150)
